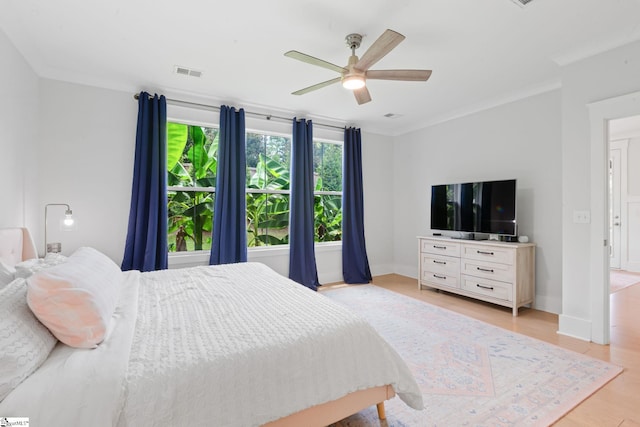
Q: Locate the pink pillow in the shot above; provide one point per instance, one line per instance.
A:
(76, 300)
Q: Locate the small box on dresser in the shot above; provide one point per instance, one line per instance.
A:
(498, 272)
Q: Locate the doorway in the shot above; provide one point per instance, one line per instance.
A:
(624, 138)
(601, 115)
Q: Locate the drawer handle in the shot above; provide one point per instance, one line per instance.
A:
(439, 277)
(487, 270)
(485, 253)
(439, 247)
(490, 288)
(439, 262)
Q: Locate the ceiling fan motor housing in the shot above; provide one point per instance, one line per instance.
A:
(353, 40)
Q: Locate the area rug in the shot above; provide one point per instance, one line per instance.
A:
(471, 373)
(620, 279)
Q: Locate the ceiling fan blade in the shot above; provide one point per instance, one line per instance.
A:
(405, 75)
(383, 45)
(313, 61)
(362, 95)
(316, 86)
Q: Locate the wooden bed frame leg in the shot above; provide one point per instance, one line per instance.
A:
(381, 413)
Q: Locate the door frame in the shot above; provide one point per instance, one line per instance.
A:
(600, 113)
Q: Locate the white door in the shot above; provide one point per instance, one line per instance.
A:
(615, 220)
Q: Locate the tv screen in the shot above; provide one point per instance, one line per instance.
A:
(475, 207)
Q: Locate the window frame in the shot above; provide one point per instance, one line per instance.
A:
(203, 117)
(194, 188)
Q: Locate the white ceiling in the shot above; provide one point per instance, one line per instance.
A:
(482, 52)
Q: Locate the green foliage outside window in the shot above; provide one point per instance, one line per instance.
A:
(192, 163)
(191, 166)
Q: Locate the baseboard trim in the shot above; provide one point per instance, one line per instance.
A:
(633, 266)
(550, 305)
(574, 327)
(408, 271)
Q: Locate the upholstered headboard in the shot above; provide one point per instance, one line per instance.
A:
(16, 245)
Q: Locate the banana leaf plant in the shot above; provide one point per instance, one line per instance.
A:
(191, 162)
(268, 213)
(327, 216)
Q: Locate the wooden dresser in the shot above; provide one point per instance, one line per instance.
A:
(498, 272)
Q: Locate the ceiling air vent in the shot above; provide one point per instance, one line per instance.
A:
(188, 71)
(392, 115)
(522, 3)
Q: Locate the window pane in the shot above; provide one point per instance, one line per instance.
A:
(278, 153)
(191, 155)
(190, 220)
(268, 158)
(255, 146)
(267, 219)
(328, 218)
(327, 166)
(191, 162)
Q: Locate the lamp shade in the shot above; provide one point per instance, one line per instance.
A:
(66, 224)
(68, 220)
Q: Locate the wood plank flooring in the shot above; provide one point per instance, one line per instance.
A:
(618, 402)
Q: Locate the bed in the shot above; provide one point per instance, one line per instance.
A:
(216, 345)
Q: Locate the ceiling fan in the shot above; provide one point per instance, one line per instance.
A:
(355, 74)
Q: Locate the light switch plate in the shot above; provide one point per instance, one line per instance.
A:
(581, 217)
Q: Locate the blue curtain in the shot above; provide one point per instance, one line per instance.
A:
(146, 246)
(302, 259)
(355, 264)
(229, 242)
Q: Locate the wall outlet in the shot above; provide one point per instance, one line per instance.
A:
(581, 217)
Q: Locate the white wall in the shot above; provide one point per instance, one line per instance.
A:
(632, 207)
(86, 148)
(633, 172)
(18, 126)
(378, 177)
(608, 75)
(519, 140)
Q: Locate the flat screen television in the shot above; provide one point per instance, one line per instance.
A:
(475, 207)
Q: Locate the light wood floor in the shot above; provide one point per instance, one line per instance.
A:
(618, 402)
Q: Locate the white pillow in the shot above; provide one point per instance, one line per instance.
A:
(31, 266)
(7, 274)
(76, 299)
(26, 268)
(24, 342)
(53, 258)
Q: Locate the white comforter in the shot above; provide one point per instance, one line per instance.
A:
(234, 345)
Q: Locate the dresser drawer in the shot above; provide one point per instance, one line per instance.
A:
(440, 264)
(449, 280)
(440, 247)
(489, 253)
(495, 271)
(487, 287)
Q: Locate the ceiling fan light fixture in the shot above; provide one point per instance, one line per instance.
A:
(353, 82)
(355, 74)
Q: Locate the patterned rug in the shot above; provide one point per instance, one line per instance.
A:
(471, 373)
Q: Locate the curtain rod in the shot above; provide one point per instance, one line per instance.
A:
(250, 113)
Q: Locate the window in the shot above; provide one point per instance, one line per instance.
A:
(327, 171)
(268, 168)
(191, 182)
(192, 162)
